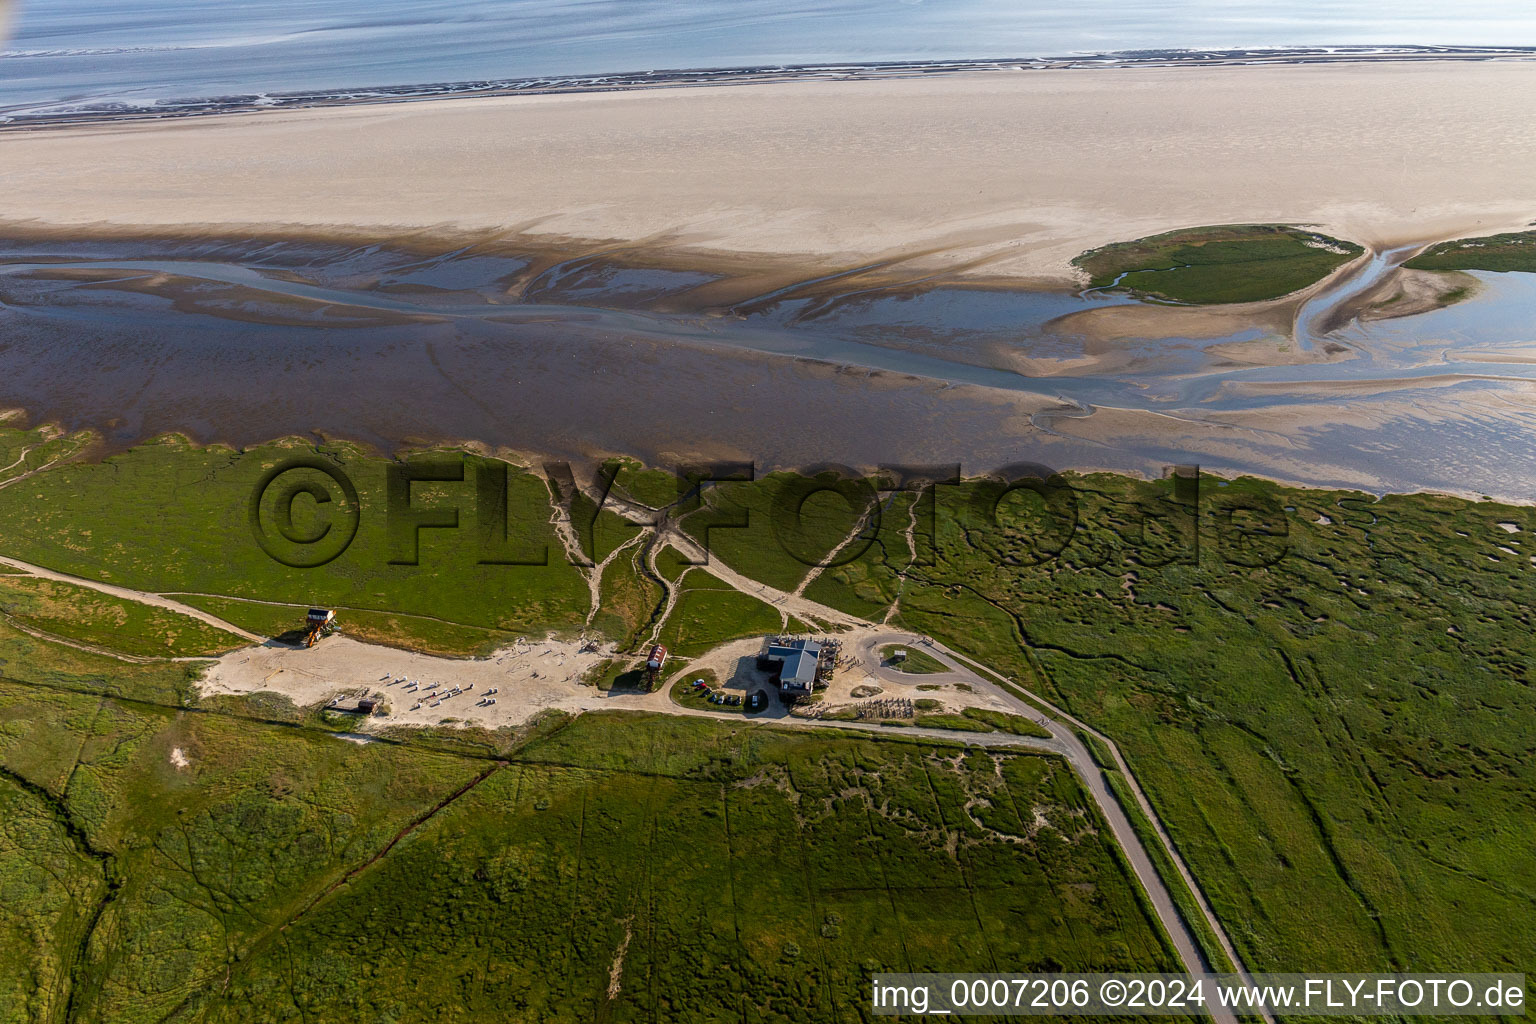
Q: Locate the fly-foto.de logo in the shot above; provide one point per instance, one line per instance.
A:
(307, 511)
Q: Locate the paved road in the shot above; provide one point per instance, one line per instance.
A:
(864, 647)
(1065, 742)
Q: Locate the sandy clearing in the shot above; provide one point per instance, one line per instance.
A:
(529, 676)
(1021, 171)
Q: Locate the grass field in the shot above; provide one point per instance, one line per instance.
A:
(865, 580)
(169, 516)
(704, 872)
(1215, 265)
(630, 599)
(709, 612)
(1326, 697)
(1001, 721)
(915, 663)
(161, 863)
(1331, 716)
(77, 613)
(1500, 253)
(782, 525)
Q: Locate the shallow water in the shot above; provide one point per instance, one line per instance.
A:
(246, 341)
(65, 54)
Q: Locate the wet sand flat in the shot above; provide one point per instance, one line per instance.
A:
(242, 340)
(1004, 175)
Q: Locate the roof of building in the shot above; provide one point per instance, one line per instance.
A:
(799, 670)
(799, 658)
(812, 647)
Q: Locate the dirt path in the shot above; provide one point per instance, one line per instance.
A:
(19, 460)
(668, 531)
(831, 557)
(18, 478)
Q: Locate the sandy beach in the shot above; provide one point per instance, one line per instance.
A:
(1004, 175)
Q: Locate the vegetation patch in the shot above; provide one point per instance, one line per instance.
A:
(1217, 265)
(114, 521)
(914, 661)
(709, 612)
(653, 488)
(864, 582)
(1513, 252)
(686, 694)
(630, 599)
(778, 528)
(958, 723)
(1002, 721)
(87, 616)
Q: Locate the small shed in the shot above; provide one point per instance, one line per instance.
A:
(356, 704)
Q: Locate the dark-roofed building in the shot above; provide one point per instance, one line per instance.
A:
(794, 666)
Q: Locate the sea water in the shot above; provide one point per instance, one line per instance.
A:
(64, 55)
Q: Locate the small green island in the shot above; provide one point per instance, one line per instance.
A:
(1218, 265)
(1506, 253)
